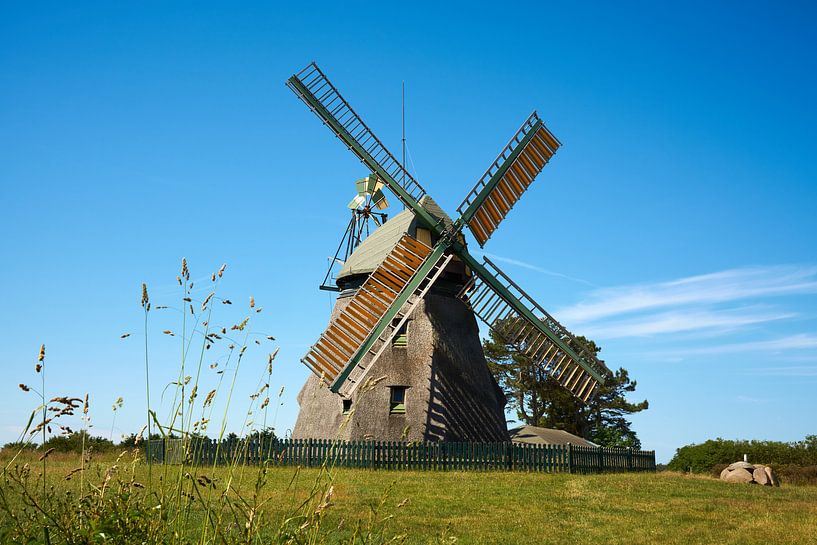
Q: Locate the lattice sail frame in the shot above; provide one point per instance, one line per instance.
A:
(364, 325)
(338, 354)
(573, 365)
(510, 175)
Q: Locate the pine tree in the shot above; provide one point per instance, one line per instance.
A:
(541, 401)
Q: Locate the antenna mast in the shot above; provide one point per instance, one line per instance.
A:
(403, 181)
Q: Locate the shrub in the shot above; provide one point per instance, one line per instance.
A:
(705, 456)
(73, 442)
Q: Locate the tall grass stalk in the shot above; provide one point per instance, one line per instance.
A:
(190, 500)
(40, 368)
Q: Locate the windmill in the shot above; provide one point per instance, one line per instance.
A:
(365, 326)
(364, 207)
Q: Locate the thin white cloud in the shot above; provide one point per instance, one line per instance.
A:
(719, 287)
(750, 399)
(793, 371)
(683, 321)
(526, 265)
(801, 341)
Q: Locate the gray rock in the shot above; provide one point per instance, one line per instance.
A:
(773, 480)
(741, 465)
(760, 476)
(739, 475)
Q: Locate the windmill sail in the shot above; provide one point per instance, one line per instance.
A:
(365, 325)
(511, 313)
(487, 204)
(317, 92)
(394, 288)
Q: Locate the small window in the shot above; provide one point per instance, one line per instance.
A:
(424, 236)
(400, 339)
(347, 406)
(398, 400)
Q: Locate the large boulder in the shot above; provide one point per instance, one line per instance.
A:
(744, 472)
(739, 475)
(773, 480)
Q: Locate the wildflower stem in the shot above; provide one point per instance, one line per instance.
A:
(148, 450)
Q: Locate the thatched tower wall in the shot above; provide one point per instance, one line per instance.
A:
(449, 393)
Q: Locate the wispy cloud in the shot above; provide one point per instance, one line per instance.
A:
(801, 341)
(719, 287)
(750, 399)
(684, 321)
(532, 267)
(794, 371)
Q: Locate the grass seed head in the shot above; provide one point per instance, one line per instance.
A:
(46, 454)
(24, 388)
(145, 298)
(209, 399)
(252, 301)
(41, 357)
(241, 326)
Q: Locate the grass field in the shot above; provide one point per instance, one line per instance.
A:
(517, 507)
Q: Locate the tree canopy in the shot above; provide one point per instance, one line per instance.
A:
(541, 401)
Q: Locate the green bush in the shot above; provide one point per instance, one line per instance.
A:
(74, 443)
(704, 457)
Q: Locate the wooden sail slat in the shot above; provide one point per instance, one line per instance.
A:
(549, 138)
(347, 332)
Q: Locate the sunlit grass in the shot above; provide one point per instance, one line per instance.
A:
(499, 507)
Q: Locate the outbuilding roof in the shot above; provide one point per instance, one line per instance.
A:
(534, 435)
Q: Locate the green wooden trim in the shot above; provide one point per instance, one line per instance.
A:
(422, 214)
(477, 202)
(391, 312)
(492, 281)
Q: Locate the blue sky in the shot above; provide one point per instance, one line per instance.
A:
(676, 226)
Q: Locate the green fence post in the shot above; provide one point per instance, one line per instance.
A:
(569, 458)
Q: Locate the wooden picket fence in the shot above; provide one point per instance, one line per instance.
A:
(458, 456)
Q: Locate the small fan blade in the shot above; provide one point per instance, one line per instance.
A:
(361, 185)
(374, 184)
(358, 201)
(379, 200)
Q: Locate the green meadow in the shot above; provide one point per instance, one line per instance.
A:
(113, 501)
